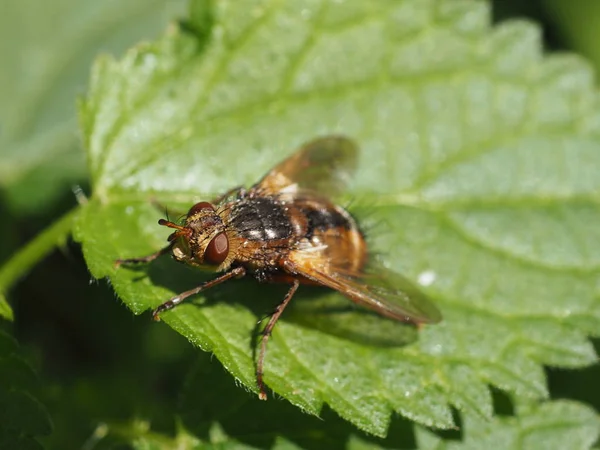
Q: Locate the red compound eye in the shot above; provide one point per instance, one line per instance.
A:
(217, 250)
(199, 207)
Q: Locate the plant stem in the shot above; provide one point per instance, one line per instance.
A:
(33, 252)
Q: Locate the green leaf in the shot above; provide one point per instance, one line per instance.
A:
(478, 175)
(44, 67)
(22, 416)
(577, 26)
(23, 412)
(5, 309)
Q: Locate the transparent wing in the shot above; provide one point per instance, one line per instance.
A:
(324, 165)
(375, 287)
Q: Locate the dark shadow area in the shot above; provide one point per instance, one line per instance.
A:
(534, 10)
(332, 313)
(211, 395)
(200, 23)
(503, 404)
(99, 363)
(580, 384)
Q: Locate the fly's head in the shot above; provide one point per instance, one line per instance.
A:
(202, 240)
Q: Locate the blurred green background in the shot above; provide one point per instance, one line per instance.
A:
(97, 363)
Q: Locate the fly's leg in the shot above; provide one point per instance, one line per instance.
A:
(265, 338)
(144, 259)
(237, 272)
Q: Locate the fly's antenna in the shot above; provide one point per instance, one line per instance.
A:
(181, 231)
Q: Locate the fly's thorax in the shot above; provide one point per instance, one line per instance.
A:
(261, 219)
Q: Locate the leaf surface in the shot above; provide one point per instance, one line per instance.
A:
(478, 178)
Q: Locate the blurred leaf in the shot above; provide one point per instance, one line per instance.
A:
(551, 425)
(32, 253)
(478, 168)
(578, 22)
(22, 416)
(98, 374)
(5, 309)
(20, 442)
(23, 412)
(46, 49)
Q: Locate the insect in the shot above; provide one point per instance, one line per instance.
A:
(286, 229)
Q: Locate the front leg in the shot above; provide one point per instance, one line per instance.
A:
(237, 272)
(144, 259)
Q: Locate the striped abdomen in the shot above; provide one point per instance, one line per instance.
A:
(330, 226)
